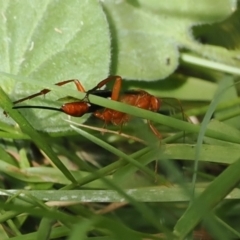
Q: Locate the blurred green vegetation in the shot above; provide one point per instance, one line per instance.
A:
(73, 179)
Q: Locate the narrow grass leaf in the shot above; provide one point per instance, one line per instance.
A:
(40, 141)
(208, 200)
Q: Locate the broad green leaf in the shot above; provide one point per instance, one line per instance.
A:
(51, 41)
(148, 34)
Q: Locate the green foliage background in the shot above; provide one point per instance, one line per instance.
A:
(60, 181)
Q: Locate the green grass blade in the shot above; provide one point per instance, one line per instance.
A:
(208, 200)
(40, 141)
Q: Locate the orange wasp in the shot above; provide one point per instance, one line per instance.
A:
(138, 98)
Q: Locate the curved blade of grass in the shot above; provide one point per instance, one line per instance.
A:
(208, 200)
(220, 186)
(8, 159)
(104, 171)
(53, 175)
(228, 227)
(143, 209)
(114, 150)
(159, 118)
(112, 167)
(126, 171)
(149, 215)
(39, 140)
(81, 229)
(45, 228)
(209, 153)
(145, 114)
(216, 99)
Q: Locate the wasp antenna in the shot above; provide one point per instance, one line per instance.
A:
(38, 107)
